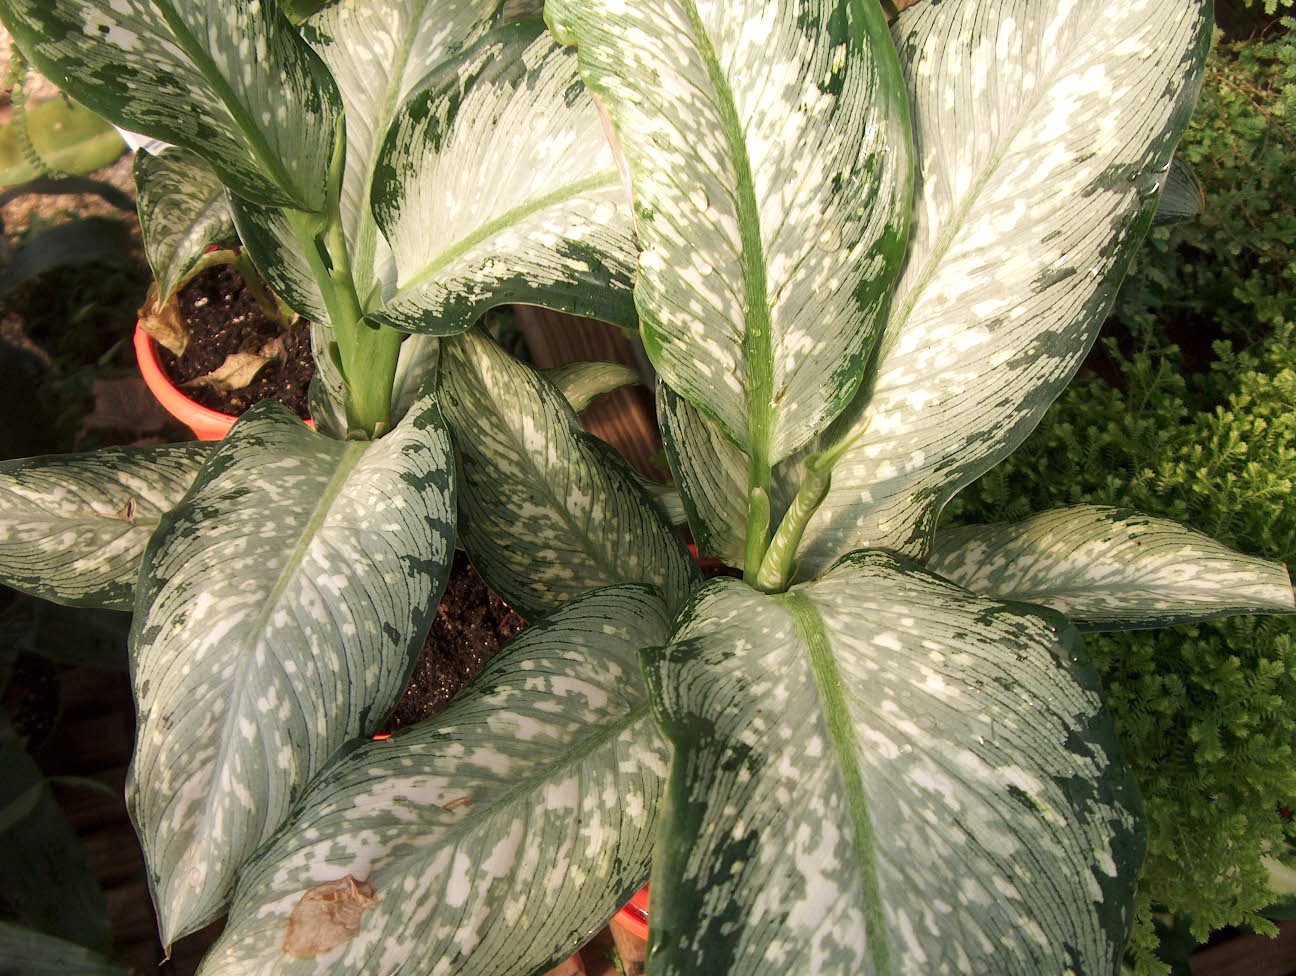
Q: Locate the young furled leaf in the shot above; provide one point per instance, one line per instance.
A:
(548, 512)
(490, 840)
(881, 773)
(228, 79)
(279, 611)
(1111, 569)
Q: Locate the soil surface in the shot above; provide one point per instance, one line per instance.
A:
(471, 624)
(224, 319)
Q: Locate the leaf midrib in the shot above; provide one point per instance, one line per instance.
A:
(493, 227)
(956, 225)
(845, 744)
(367, 230)
(757, 341)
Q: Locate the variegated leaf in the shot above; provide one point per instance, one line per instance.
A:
(73, 527)
(881, 773)
(1043, 133)
(279, 611)
(228, 79)
(497, 185)
(1111, 569)
(1183, 197)
(182, 211)
(769, 148)
(491, 840)
(272, 239)
(378, 51)
(547, 512)
(712, 474)
(582, 383)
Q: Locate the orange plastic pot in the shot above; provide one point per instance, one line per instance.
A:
(207, 424)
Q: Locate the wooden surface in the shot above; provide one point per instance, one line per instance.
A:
(1250, 955)
(625, 418)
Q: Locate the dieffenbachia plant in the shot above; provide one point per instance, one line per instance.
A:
(394, 168)
(864, 258)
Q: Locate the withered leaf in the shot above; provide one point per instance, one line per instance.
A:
(235, 373)
(164, 322)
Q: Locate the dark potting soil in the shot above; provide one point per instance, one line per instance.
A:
(224, 319)
(471, 624)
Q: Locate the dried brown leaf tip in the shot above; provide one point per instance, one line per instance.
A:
(164, 322)
(238, 370)
(328, 915)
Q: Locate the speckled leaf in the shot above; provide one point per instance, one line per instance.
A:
(496, 837)
(182, 212)
(1111, 569)
(1043, 133)
(497, 185)
(379, 51)
(582, 383)
(768, 144)
(73, 527)
(279, 611)
(1183, 197)
(547, 512)
(881, 773)
(228, 79)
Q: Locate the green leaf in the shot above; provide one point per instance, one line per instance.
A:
(1041, 147)
(582, 383)
(554, 228)
(881, 773)
(64, 136)
(769, 150)
(47, 882)
(228, 79)
(496, 837)
(92, 240)
(280, 609)
(548, 512)
(183, 210)
(44, 955)
(1183, 197)
(73, 527)
(1111, 569)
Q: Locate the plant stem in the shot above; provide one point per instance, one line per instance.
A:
(779, 565)
(366, 354)
(758, 521)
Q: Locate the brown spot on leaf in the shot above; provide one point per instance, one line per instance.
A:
(328, 915)
(463, 801)
(128, 511)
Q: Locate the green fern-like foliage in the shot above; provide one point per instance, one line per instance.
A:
(1175, 424)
